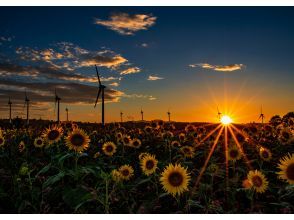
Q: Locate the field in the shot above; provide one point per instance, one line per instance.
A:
(147, 167)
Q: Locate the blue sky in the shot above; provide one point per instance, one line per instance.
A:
(257, 41)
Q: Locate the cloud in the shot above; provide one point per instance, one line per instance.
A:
(153, 78)
(110, 62)
(114, 84)
(139, 96)
(226, 68)
(144, 45)
(130, 70)
(127, 24)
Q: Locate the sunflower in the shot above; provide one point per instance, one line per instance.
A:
(175, 144)
(126, 140)
(96, 155)
(286, 166)
(189, 128)
(116, 176)
(142, 155)
(118, 135)
(21, 147)
(246, 184)
(234, 153)
(258, 181)
(52, 134)
(77, 140)
(148, 129)
(188, 151)
(39, 142)
(126, 172)
(109, 148)
(175, 179)
(167, 135)
(2, 141)
(182, 137)
(136, 143)
(149, 164)
(285, 136)
(265, 154)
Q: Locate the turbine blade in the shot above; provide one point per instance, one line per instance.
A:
(98, 75)
(97, 97)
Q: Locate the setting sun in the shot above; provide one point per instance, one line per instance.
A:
(226, 120)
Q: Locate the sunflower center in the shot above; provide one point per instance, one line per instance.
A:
(186, 150)
(265, 154)
(39, 142)
(234, 153)
(136, 143)
(149, 164)
(286, 135)
(126, 140)
(109, 148)
(290, 171)
(77, 139)
(257, 181)
(176, 144)
(53, 134)
(175, 179)
(125, 172)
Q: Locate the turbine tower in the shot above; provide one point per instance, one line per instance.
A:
(101, 90)
(121, 116)
(57, 100)
(9, 103)
(261, 116)
(218, 114)
(27, 103)
(142, 115)
(168, 114)
(66, 109)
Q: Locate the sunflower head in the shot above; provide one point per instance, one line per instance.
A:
(148, 164)
(21, 146)
(188, 151)
(136, 143)
(182, 137)
(39, 142)
(190, 128)
(77, 140)
(109, 148)
(286, 166)
(175, 179)
(142, 155)
(116, 176)
(258, 181)
(234, 153)
(148, 129)
(2, 141)
(118, 135)
(126, 172)
(126, 140)
(265, 154)
(52, 134)
(175, 144)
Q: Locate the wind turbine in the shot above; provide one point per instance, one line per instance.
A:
(101, 89)
(168, 114)
(9, 103)
(121, 116)
(27, 103)
(261, 116)
(218, 114)
(57, 100)
(142, 115)
(66, 109)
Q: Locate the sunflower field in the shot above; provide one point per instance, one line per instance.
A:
(147, 167)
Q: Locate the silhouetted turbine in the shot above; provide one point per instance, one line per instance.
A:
(101, 90)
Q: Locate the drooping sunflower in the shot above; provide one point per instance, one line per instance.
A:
(234, 153)
(148, 164)
(182, 137)
(39, 142)
(52, 134)
(188, 151)
(286, 166)
(265, 154)
(109, 148)
(142, 155)
(116, 176)
(258, 181)
(175, 144)
(136, 143)
(175, 179)
(2, 141)
(21, 146)
(126, 140)
(77, 140)
(126, 172)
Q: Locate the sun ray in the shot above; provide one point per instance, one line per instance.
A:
(208, 135)
(226, 157)
(251, 141)
(240, 148)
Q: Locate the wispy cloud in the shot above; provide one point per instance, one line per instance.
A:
(127, 24)
(130, 70)
(115, 84)
(153, 78)
(139, 96)
(221, 68)
(144, 45)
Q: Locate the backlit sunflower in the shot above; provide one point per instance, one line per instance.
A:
(109, 148)
(285, 136)
(77, 140)
(148, 129)
(21, 146)
(188, 151)
(286, 166)
(39, 142)
(126, 140)
(2, 141)
(142, 155)
(52, 134)
(258, 181)
(265, 154)
(175, 144)
(116, 176)
(234, 153)
(136, 143)
(182, 137)
(118, 136)
(175, 179)
(148, 164)
(126, 172)
(190, 128)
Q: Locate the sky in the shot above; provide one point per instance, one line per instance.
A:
(186, 60)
